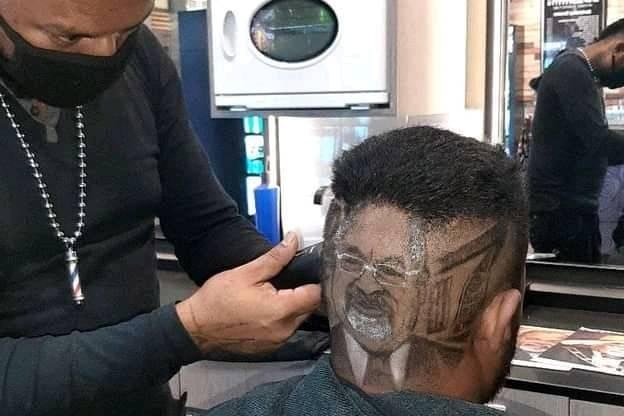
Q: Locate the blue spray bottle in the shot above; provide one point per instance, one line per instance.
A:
(268, 221)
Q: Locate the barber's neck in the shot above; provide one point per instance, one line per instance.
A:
(599, 56)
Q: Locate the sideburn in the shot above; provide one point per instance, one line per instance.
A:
(505, 366)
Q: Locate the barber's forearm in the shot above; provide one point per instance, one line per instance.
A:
(225, 246)
(48, 375)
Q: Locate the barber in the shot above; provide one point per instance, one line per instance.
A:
(95, 143)
(572, 147)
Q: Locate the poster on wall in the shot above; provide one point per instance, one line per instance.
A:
(570, 24)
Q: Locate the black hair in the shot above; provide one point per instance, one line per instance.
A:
(433, 174)
(615, 28)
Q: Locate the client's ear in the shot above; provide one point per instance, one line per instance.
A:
(497, 323)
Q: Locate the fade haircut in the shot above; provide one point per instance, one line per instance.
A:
(614, 29)
(433, 174)
(436, 176)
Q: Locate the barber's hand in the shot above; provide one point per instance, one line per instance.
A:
(239, 311)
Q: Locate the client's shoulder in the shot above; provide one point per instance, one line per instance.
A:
(316, 394)
(421, 404)
(265, 400)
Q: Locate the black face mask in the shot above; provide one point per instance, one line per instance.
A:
(57, 78)
(615, 79)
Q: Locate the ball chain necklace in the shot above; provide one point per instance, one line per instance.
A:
(589, 64)
(593, 73)
(71, 253)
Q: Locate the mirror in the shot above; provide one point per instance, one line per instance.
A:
(537, 36)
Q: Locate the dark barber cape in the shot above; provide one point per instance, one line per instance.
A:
(114, 355)
(321, 393)
(572, 144)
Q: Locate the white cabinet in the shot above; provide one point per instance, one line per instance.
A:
(578, 408)
(519, 402)
(174, 385)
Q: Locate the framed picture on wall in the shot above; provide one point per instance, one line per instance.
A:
(570, 24)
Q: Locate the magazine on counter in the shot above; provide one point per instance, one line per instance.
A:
(533, 341)
(589, 349)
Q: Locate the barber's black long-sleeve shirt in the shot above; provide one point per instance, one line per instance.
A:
(572, 144)
(111, 355)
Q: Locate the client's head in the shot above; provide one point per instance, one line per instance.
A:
(423, 263)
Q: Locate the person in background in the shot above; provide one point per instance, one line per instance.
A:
(572, 147)
(95, 143)
(610, 210)
(618, 235)
(423, 273)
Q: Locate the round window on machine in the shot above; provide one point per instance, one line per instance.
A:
(294, 31)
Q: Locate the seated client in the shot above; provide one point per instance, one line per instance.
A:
(423, 267)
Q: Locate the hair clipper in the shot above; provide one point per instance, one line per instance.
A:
(305, 268)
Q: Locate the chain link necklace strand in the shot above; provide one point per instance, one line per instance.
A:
(71, 253)
(589, 64)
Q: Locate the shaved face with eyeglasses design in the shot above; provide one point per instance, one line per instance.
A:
(398, 278)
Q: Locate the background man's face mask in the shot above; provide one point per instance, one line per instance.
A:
(615, 79)
(57, 78)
